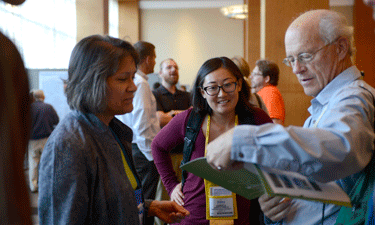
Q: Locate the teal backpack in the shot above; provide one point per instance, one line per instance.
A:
(360, 196)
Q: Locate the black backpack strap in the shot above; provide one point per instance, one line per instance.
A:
(192, 129)
(258, 100)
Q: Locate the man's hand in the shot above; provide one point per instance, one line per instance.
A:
(219, 150)
(168, 211)
(177, 195)
(275, 208)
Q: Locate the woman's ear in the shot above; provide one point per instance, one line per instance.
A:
(202, 92)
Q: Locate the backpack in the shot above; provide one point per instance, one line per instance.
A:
(192, 129)
(360, 196)
(193, 126)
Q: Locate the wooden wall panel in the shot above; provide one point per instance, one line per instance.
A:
(252, 32)
(278, 17)
(364, 36)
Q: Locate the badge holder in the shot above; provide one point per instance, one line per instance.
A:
(221, 204)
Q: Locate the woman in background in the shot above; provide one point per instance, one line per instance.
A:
(221, 98)
(86, 173)
(255, 99)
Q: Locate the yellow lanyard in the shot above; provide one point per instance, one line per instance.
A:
(128, 171)
(208, 130)
(208, 185)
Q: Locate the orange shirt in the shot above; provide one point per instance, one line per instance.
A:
(274, 102)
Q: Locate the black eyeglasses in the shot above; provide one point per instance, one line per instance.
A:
(214, 90)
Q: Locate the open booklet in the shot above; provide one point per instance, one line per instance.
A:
(253, 181)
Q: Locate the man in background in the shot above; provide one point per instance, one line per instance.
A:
(44, 120)
(264, 80)
(170, 100)
(144, 122)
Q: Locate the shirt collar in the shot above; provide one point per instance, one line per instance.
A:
(163, 90)
(142, 74)
(344, 78)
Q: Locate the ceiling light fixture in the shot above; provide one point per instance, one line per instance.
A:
(235, 11)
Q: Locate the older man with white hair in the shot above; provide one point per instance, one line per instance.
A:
(336, 142)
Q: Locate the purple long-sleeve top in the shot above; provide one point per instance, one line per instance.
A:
(195, 199)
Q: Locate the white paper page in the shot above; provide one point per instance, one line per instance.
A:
(295, 184)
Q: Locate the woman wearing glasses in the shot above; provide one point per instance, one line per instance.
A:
(221, 98)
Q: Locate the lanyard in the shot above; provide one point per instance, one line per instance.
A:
(125, 160)
(134, 181)
(208, 130)
(214, 201)
(129, 172)
(320, 117)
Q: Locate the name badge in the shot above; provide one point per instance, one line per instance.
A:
(221, 203)
(221, 207)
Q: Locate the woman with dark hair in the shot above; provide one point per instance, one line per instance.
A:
(221, 98)
(86, 171)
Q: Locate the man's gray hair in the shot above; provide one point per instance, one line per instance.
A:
(334, 25)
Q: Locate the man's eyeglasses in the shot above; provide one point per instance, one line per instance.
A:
(255, 74)
(304, 57)
(214, 90)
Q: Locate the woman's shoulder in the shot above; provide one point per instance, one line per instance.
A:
(260, 116)
(71, 131)
(253, 115)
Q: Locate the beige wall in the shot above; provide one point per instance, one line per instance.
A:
(129, 20)
(191, 36)
(91, 17)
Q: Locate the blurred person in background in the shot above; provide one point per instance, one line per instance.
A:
(264, 81)
(255, 99)
(15, 120)
(44, 119)
(170, 100)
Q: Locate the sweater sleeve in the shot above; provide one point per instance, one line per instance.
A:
(169, 137)
(63, 182)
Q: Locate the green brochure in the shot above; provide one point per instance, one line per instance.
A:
(253, 181)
